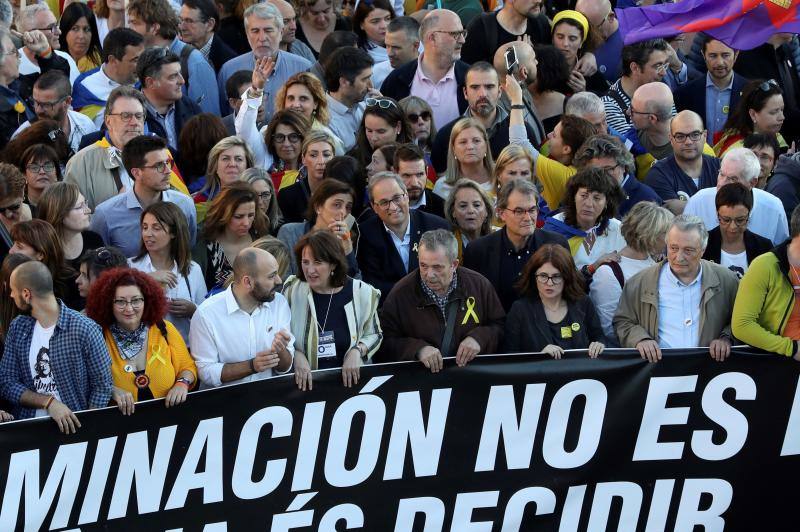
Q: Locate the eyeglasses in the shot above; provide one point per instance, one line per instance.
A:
(13, 208)
(631, 111)
(521, 213)
(767, 84)
(47, 106)
(605, 19)
(383, 103)
(413, 117)
(161, 166)
(48, 168)
(610, 169)
(136, 303)
(126, 117)
(267, 195)
(454, 34)
(740, 222)
(549, 279)
(294, 138)
(51, 28)
(396, 199)
(694, 136)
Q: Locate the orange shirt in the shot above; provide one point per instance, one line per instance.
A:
(792, 329)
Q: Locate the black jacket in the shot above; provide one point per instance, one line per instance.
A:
(184, 110)
(293, 201)
(397, 84)
(785, 182)
(527, 329)
(378, 259)
(220, 53)
(692, 96)
(433, 205)
(754, 245)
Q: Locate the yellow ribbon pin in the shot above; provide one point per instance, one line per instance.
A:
(19, 107)
(470, 311)
(156, 355)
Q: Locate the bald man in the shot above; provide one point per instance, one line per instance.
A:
(288, 41)
(648, 140)
(55, 361)
(678, 177)
(605, 28)
(438, 76)
(525, 72)
(244, 333)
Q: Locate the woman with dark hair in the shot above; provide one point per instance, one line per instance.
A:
(382, 159)
(383, 122)
(279, 148)
(262, 184)
(765, 146)
(41, 168)
(149, 359)
(94, 262)
(588, 220)
(64, 207)
(551, 83)
(318, 148)
(8, 309)
(166, 255)
(370, 21)
(468, 209)
(316, 19)
(348, 170)
(43, 131)
(731, 243)
(38, 240)
(329, 209)
(760, 110)
(554, 312)
(79, 36)
(13, 209)
(233, 221)
(198, 136)
(110, 14)
(334, 317)
(572, 36)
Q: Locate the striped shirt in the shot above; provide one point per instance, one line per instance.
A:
(616, 116)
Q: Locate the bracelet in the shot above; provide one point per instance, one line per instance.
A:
(591, 269)
(252, 366)
(183, 381)
(518, 106)
(46, 53)
(49, 402)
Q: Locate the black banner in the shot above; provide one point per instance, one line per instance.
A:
(510, 442)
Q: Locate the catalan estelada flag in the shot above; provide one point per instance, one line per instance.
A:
(741, 24)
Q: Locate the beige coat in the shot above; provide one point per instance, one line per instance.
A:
(636, 318)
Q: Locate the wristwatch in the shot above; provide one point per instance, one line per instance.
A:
(518, 106)
(184, 380)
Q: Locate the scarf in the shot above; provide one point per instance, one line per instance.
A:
(128, 342)
(441, 301)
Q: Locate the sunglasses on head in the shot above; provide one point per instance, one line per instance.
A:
(767, 84)
(13, 208)
(413, 117)
(383, 103)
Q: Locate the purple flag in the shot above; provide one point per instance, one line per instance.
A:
(741, 24)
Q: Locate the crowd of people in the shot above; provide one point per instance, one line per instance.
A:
(186, 189)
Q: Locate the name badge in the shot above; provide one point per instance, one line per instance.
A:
(326, 347)
(566, 332)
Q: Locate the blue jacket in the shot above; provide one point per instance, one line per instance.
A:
(636, 191)
(667, 179)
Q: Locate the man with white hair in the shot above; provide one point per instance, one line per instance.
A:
(682, 302)
(263, 24)
(589, 106)
(767, 218)
(39, 17)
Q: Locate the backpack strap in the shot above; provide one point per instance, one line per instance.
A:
(186, 51)
(616, 269)
(617, 97)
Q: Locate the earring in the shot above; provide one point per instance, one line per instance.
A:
(332, 272)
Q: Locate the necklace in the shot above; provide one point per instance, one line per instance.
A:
(325, 322)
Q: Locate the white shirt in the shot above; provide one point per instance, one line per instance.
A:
(379, 73)
(610, 240)
(223, 333)
(403, 246)
(678, 310)
(79, 125)
(605, 290)
(735, 262)
(345, 121)
(192, 288)
(44, 382)
(768, 218)
(26, 66)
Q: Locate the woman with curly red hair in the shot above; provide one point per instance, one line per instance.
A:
(149, 358)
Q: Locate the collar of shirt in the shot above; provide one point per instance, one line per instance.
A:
(337, 107)
(170, 110)
(499, 116)
(232, 305)
(508, 247)
(206, 49)
(421, 203)
(677, 282)
(710, 83)
(440, 301)
(421, 76)
(406, 237)
(111, 83)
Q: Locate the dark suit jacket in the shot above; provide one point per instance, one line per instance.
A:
(397, 84)
(378, 259)
(433, 205)
(754, 245)
(220, 53)
(293, 201)
(184, 110)
(692, 96)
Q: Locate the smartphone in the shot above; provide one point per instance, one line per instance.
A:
(511, 60)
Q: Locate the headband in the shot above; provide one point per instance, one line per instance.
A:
(575, 16)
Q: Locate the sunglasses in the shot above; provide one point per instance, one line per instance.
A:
(383, 103)
(767, 84)
(413, 117)
(13, 208)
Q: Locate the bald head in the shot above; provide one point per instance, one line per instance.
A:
(438, 19)
(282, 5)
(526, 58)
(686, 121)
(600, 15)
(250, 262)
(656, 98)
(33, 276)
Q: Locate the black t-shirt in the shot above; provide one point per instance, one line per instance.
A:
(478, 47)
(331, 315)
(564, 334)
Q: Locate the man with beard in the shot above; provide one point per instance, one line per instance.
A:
(482, 92)
(716, 95)
(97, 169)
(409, 162)
(243, 334)
(52, 100)
(348, 76)
(525, 73)
(55, 360)
(678, 177)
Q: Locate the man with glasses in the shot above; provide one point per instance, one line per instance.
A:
(767, 217)
(78, 372)
(159, 72)
(196, 25)
(149, 163)
(52, 100)
(438, 74)
(348, 76)
(605, 27)
(516, 20)
(389, 242)
(39, 17)
(683, 302)
(643, 62)
(500, 256)
(679, 176)
(97, 169)
(456, 312)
